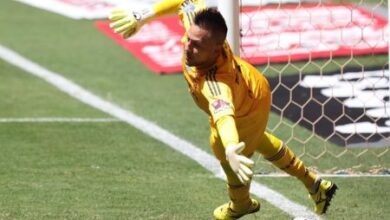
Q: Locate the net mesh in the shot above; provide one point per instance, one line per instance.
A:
(327, 64)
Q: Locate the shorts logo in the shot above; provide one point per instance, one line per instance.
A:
(220, 105)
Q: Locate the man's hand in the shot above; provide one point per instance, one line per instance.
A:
(125, 22)
(240, 164)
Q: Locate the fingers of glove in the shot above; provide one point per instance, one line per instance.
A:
(243, 177)
(234, 164)
(116, 17)
(117, 14)
(246, 170)
(120, 22)
(246, 161)
(123, 28)
(240, 178)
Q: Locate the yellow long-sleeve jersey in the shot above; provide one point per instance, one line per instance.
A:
(232, 92)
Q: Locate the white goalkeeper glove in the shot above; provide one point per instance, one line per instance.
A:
(240, 164)
(128, 23)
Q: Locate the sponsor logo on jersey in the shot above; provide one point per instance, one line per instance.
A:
(220, 105)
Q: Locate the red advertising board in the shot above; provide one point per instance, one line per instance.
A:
(270, 34)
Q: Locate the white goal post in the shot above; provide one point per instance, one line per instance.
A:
(230, 9)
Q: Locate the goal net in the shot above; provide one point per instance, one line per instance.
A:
(327, 64)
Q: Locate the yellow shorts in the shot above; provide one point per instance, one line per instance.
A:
(251, 131)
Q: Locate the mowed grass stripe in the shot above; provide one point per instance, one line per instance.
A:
(183, 146)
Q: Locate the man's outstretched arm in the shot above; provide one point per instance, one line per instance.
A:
(128, 23)
(240, 164)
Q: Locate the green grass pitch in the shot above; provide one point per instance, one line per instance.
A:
(110, 170)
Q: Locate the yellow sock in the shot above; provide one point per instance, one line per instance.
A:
(238, 193)
(287, 161)
(239, 196)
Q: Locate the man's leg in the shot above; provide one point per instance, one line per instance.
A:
(280, 155)
(238, 193)
(240, 202)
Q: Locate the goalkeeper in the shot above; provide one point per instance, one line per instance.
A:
(237, 99)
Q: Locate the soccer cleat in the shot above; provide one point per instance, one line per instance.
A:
(323, 196)
(224, 212)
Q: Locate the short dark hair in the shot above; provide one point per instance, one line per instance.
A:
(212, 20)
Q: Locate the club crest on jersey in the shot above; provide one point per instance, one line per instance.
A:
(220, 105)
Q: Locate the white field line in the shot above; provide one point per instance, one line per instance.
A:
(151, 129)
(57, 119)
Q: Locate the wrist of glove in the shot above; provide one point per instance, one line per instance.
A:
(240, 164)
(128, 23)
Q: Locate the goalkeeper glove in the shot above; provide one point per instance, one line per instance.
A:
(240, 164)
(128, 23)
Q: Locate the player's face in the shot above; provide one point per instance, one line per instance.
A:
(200, 50)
